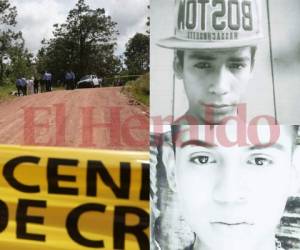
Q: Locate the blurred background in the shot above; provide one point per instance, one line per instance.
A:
(285, 38)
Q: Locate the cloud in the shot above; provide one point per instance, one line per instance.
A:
(36, 18)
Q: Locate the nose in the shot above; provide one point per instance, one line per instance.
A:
(229, 188)
(221, 83)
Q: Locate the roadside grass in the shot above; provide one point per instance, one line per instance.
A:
(139, 89)
(5, 91)
(54, 88)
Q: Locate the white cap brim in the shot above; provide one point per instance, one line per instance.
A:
(176, 43)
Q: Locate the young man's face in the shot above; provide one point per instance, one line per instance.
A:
(214, 80)
(233, 197)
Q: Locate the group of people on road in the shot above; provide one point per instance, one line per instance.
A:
(27, 86)
(34, 85)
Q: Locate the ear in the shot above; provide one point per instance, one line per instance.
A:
(178, 67)
(295, 185)
(168, 158)
(252, 69)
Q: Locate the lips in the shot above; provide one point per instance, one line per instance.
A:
(219, 105)
(216, 108)
(232, 227)
(232, 223)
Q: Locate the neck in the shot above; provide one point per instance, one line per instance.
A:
(267, 244)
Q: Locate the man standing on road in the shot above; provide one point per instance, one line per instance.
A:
(215, 44)
(24, 86)
(43, 82)
(19, 86)
(100, 79)
(68, 80)
(36, 85)
(73, 79)
(29, 84)
(48, 81)
(47, 78)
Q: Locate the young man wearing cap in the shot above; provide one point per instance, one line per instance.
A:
(231, 195)
(215, 43)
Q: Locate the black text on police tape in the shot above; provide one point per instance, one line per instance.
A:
(94, 169)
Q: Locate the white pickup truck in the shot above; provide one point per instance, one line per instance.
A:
(89, 81)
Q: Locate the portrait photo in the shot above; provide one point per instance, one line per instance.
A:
(216, 59)
(225, 188)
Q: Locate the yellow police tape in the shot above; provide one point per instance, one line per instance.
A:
(65, 198)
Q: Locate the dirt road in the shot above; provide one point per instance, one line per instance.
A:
(95, 118)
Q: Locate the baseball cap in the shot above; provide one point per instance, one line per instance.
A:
(203, 24)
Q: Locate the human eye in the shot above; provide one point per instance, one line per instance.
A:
(237, 66)
(202, 159)
(260, 160)
(202, 65)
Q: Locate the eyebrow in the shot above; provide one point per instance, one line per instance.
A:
(202, 57)
(267, 145)
(197, 143)
(204, 144)
(239, 59)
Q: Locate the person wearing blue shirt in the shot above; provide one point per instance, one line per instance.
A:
(73, 79)
(19, 86)
(23, 86)
(48, 81)
(68, 80)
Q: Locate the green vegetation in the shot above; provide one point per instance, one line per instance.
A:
(137, 54)
(139, 89)
(5, 92)
(15, 59)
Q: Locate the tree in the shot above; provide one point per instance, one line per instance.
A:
(9, 40)
(84, 43)
(21, 63)
(137, 54)
(7, 13)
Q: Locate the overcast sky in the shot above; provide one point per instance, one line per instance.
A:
(36, 18)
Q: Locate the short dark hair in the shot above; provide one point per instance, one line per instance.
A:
(180, 56)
